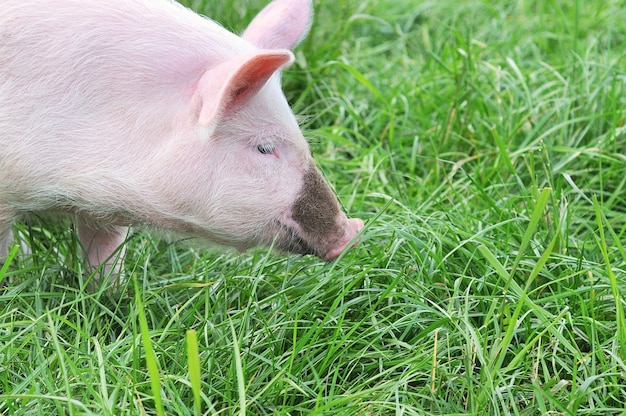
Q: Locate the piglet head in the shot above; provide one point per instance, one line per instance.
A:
(268, 190)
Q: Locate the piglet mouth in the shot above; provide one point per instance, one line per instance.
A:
(289, 241)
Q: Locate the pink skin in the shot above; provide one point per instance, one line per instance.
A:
(355, 225)
(168, 122)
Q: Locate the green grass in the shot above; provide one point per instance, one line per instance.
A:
(483, 143)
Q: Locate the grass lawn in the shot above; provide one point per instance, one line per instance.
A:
(483, 142)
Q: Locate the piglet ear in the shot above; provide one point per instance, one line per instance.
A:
(234, 82)
(282, 24)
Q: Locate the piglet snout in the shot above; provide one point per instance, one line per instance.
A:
(353, 226)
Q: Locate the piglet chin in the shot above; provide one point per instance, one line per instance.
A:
(354, 225)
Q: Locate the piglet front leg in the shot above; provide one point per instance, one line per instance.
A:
(100, 245)
(5, 237)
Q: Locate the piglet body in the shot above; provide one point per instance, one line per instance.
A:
(142, 113)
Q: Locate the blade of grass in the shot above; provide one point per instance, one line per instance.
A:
(101, 369)
(241, 382)
(509, 334)
(7, 261)
(617, 297)
(193, 361)
(501, 348)
(61, 357)
(151, 360)
(537, 214)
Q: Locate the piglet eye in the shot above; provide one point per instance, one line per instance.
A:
(265, 148)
